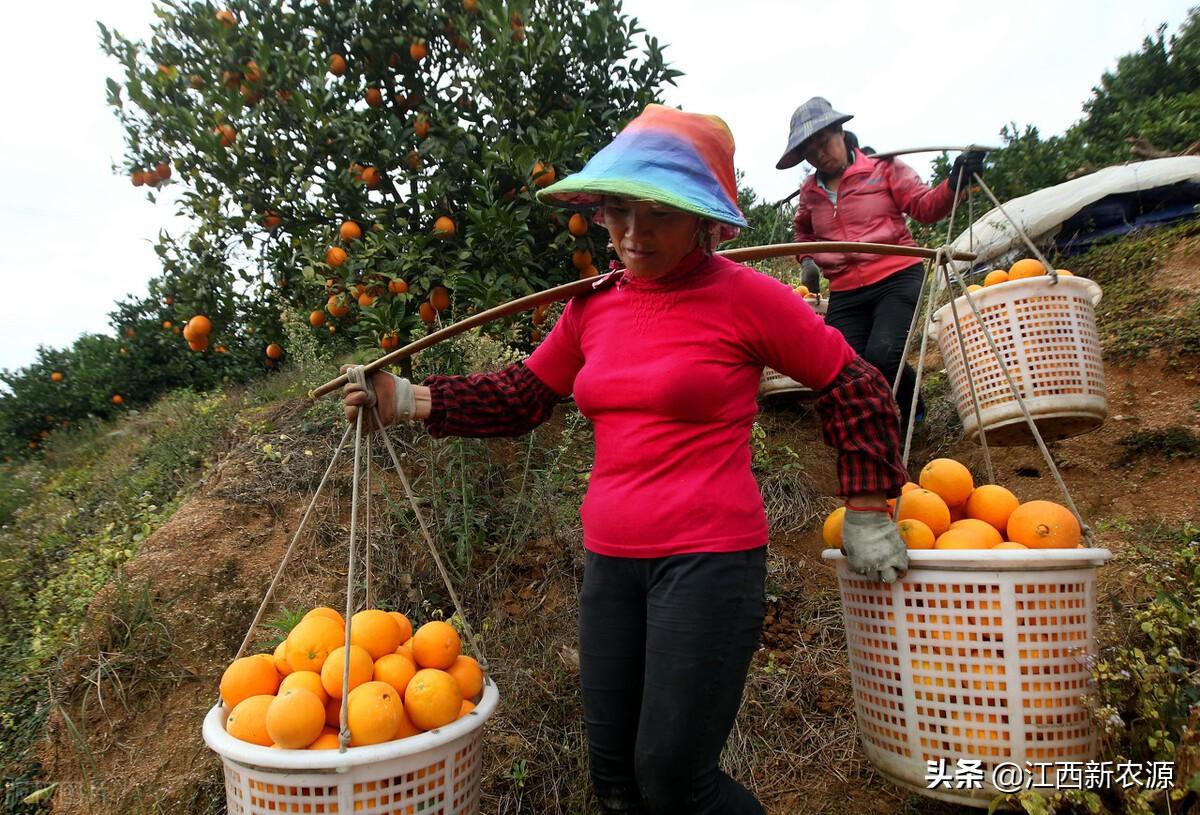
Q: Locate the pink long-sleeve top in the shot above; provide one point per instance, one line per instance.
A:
(872, 199)
(668, 370)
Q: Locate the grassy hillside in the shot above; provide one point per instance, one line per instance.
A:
(134, 555)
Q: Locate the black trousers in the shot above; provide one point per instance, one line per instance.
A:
(664, 647)
(875, 320)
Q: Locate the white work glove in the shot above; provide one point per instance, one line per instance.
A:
(392, 394)
(873, 546)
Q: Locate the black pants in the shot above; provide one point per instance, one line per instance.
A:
(875, 320)
(664, 646)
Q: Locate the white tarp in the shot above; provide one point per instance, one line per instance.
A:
(1041, 214)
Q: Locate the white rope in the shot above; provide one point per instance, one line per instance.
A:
(1050, 270)
(344, 728)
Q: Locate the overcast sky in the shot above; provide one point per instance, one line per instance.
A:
(74, 237)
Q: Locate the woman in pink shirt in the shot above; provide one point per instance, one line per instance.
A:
(855, 197)
(664, 357)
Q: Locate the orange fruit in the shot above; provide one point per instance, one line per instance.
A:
(271, 221)
(926, 507)
(1010, 545)
(417, 51)
(974, 287)
(909, 486)
(309, 680)
(915, 534)
(361, 669)
(831, 530)
(468, 675)
(373, 712)
(581, 259)
(421, 126)
(590, 271)
(1044, 525)
(395, 669)
(374, 97)
(435, 645)
(467, 707)
(200, 325)
(198, 345)
(295, 718)
(427, 313)
(333, 712)
(577, 225)
(366, 300)
(280, 660)
(439, 298)
(987, 534)
(273, 351)
(337, 306)
(406, 650)
(397, 287)
(371, 177)
(1064, 273)
(246, 677)
(316, 318)
(1027, 267)
(227, 133)
(116, 400)
(350, 231)
(248, 721)
(328, 740)
(309, 643)
(56, 376)
(432, 699)
(405, 626)
(375, 632)
(335, 256)
(444, 227)
(993, 504)
(995, 276)
(226, 18)
(406, 728)
(543, 175)
(389, 341)
(337, 64)
(949, 479)
(959, 539)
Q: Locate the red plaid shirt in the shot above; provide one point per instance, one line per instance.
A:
(858, 418)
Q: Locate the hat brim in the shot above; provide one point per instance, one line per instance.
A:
(795, 154)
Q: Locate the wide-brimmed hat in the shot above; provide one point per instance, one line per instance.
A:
(681, 160)
(815, 114)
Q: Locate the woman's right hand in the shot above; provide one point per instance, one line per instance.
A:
(392, 395)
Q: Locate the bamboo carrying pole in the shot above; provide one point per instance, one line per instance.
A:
(568, 290)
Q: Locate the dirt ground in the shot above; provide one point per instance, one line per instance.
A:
(210, 565)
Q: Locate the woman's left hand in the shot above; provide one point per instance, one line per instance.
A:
(872, 544)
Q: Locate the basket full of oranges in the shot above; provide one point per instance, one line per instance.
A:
(413, 707)
(1044, 332)
(980, 651)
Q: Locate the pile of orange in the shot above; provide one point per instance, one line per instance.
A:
(1024, 268)
(946, 510)
(401, 682)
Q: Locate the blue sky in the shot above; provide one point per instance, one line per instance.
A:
(74, 237)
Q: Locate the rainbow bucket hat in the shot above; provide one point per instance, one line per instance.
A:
(682, 160)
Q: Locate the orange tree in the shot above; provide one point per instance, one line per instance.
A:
(371, 164)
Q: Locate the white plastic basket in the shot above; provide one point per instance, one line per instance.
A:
(1047, 336)
(433, 773)
(774, 383)
(973, 654)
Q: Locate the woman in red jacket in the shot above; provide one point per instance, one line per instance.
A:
(664, 358)
(855, 197)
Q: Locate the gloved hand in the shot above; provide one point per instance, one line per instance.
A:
(965, 166)
(393, 394)
(873, 546)
(810, 275)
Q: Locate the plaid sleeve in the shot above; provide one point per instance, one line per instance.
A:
(859, 419)
(500, 403)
